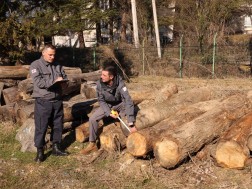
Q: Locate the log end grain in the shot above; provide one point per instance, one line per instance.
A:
(249, 143)
(167, 153)
(137, 145)
(229, 154)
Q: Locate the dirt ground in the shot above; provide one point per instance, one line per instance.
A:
(119, 169)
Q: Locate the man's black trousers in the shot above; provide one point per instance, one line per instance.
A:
(48, 113)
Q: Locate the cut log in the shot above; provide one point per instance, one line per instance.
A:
(232, 151)
(14, 72)
(24, 110)
(1, 89)
(88, 90)
(90, 76)
(141, 93)
(150, 116)
(112, 138)
(25, 88)
(82, 131)
(11, 95)
(174, 146)
(142, 142)
(71, 125)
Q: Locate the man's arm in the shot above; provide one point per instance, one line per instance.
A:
(101, 101)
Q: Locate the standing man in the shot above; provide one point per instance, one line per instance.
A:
(48, 101)
(112, 94)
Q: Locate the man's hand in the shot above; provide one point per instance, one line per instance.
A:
(58, 79)
(114, 114)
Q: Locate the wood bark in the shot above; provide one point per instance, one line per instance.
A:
(14, 72)
(232, 151)
(112, 138)
(157, 94)
(151, 115)
(11, 95)
(24, 110)
(82, 131)
(142, 142)
(90, 76)
(174, 146)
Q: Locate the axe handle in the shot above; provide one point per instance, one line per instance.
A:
(124, 124)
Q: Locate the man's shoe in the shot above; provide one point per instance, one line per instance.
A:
(91, 147)
(56, 151)
(40, 155)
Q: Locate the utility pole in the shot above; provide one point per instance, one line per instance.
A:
(156, 27)
(135, 27)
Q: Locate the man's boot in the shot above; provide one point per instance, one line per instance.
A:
(40, 155)
(91, 147)
(56, 151)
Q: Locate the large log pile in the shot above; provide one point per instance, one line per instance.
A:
(171, 124)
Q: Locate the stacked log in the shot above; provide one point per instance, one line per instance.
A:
(150, 116)
(174, 146)
(232, 150)
(143, 141)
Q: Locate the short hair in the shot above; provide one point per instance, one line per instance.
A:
(49, 46)
(109, 67)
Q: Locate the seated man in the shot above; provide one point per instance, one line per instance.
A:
(112, 94)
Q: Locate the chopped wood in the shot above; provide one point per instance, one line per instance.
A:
(174, 146)
(232, 151)
(151, 115)
(143, 141)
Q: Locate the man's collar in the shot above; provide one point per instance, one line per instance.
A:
(45, 62)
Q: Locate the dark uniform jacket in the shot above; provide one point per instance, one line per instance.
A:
(114, 95)
(43, 75)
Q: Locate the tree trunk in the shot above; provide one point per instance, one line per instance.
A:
(232, 151)
(90, 76)
(14, 72)
(150, 116)
(142, 142)
(174, 146)
(140, 93)
(81, 39)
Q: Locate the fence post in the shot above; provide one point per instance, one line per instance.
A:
(214, 50)
(180, 57)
